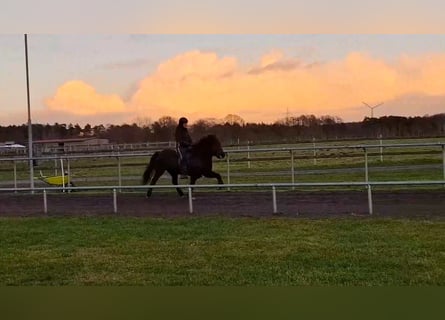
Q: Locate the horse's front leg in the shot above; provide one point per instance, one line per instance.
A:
(213, 174)
(193, 179)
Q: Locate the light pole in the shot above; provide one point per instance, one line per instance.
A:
(30, 155)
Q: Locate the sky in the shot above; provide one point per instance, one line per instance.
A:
(147, 59)
(228, 16)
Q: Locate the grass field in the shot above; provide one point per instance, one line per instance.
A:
(221, 251)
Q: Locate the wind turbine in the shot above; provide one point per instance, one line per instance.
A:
(372, 108)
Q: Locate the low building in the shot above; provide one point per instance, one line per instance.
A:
(12, 148)
(69, 145)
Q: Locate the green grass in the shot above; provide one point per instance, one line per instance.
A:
(221, 251)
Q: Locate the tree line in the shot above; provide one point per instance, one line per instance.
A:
(233, 129)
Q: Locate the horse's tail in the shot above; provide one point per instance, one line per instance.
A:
(147, 173)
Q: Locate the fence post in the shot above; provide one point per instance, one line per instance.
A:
(381, 148)
(68, 167)
(63, 174)
(190, 200)
(443, 160)
(15, 176)
(315, 152)
(114, 201)
(119, 174)
(370, 200)
(248, 155)
(45, 202)
(274, 199)
(292, 168)
(228, 170)
(366, 164)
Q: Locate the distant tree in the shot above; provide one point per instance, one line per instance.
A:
(199, 128)
(130, 133)
(143, 122)
(234, 119)
(164, 128)
(232, 129)
(167, 121)
(87, 130)
(202, 127)
(77, 130)
(330, 120)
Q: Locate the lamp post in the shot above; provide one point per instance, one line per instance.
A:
(30, 154)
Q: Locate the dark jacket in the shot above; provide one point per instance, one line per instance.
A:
(182, 137)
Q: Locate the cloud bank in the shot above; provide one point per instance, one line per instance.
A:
(80, 98)
(202, 84)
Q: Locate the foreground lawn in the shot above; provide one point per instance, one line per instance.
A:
(221, 251)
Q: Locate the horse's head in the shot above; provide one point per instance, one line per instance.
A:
(216, 147)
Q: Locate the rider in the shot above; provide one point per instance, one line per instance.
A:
(183, 144)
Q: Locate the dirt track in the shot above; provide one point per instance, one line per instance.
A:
(235, 203)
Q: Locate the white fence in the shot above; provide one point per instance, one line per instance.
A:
(292, 151)
(272, 186)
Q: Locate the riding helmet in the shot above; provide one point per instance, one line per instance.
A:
(183, 120)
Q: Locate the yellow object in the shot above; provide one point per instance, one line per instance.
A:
(55, 180)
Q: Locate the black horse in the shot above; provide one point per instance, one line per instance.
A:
(199, 163)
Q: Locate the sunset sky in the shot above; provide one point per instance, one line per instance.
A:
(115, 77)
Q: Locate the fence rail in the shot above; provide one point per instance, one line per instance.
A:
(272, 186)
(291, 151)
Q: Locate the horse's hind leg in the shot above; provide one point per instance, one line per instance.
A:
(175, 182)
(153, 181)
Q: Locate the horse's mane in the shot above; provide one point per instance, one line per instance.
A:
(206, 141)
